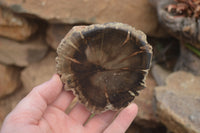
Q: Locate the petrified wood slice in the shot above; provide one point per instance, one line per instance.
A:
(104, 65)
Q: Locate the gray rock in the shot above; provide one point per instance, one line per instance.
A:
(8, 103)
(188, 61)
(22, 53)
(160, 74)
(39, 72)
(14, 26)
(9, 79)
(138, 13)
(178, 103)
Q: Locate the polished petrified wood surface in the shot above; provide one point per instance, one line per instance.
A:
(104, 65)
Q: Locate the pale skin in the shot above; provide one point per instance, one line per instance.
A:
(43, 111)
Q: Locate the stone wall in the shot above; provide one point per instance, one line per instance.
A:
(31, 30)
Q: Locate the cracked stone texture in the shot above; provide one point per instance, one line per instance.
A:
(14, 26)
(39, 72)
(147, 105)
(22, 53)
(178, 102)
(138, 13)
(9, 79)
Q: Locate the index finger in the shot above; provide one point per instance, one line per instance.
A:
(123, 120)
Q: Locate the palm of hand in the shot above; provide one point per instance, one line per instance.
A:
(43, 111)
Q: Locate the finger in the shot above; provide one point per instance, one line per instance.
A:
(123, 120)
(79, 113)
(35, 103)
(50, 89)
(63, 100)
(99, 122)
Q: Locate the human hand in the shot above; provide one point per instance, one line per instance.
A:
(43, 111)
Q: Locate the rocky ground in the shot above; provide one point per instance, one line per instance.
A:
(30, 32)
